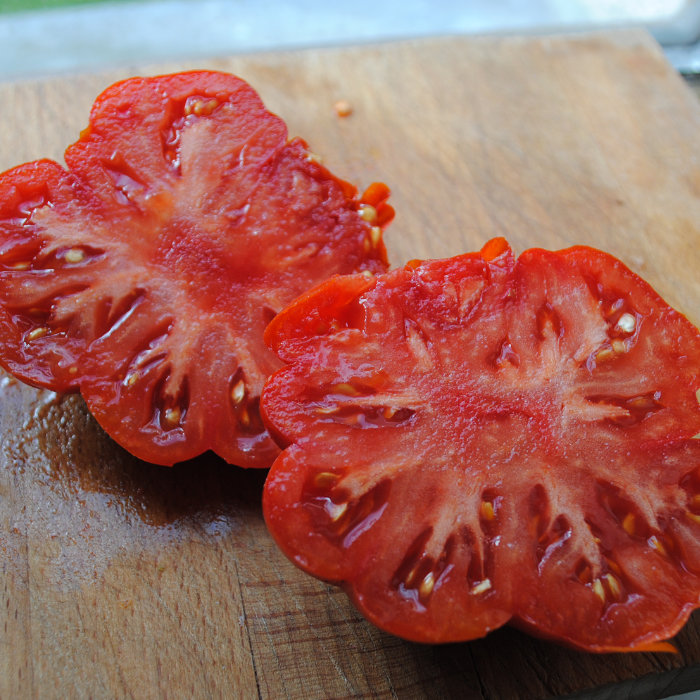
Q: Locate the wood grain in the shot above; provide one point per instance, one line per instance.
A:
(121, 579)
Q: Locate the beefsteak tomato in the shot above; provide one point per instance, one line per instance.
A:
(144, 274)
(487, 440)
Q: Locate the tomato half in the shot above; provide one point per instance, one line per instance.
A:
(483, 440)
(145, 273)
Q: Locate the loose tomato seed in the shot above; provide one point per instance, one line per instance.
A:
(19, 266)
(375, 235)
(343, 108)
(619, 346)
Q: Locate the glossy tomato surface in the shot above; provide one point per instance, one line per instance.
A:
(144, 274)
(485, 440)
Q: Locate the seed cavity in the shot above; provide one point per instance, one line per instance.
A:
(505, 356)
(549, 323)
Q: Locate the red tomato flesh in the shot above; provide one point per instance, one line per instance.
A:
(145, 273)
(487, 440)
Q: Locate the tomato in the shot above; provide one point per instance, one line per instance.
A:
(487, 440)
(144, 274)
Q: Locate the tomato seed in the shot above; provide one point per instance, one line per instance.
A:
(656, 543)
(628, 524)
(367, 213)
(74, 255)
(238, 392)
(487, 510)
(343, 108)
(426, 586)
(481, 587)
(37, 333)
(613, 586)
(626, 323)
(313, 157)
(325, 480)
(171, 416)
(336, 510)
(618, 346)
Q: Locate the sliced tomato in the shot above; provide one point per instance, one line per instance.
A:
(145, 273)
(484, 440)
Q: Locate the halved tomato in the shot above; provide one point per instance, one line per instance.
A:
(145, 273)
(484, 440)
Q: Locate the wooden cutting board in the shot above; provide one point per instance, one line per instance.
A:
(121, 579)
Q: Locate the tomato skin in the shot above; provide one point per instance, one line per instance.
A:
(144, 273)
(483, 440)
